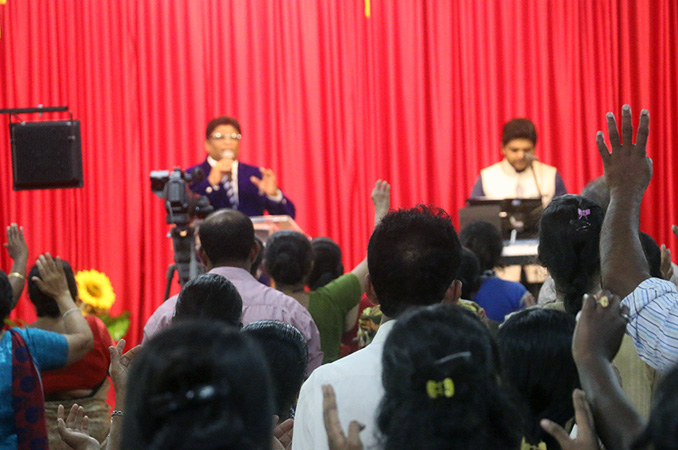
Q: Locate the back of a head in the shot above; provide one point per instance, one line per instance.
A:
(288, 257)
(227, 235)
(412, 257)
(199, 385)
(285, 350)
(6, 295)
(596, 190)
(327, 264)
(469, 274)
(519, 129)
(569, 235)
(662, 430)
(483, 239)
(653, 254)
(536, 349)
(427, 348)
(46, 306)
(209, 296)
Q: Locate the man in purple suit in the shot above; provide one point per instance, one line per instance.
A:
(229, 183)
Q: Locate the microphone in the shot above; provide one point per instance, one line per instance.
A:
(531, 158)
(228, 154)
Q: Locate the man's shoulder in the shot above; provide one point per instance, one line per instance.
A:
(160, 317)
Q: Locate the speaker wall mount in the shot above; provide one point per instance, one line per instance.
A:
(45, 154)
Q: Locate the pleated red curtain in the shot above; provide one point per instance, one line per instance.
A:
(331, 100)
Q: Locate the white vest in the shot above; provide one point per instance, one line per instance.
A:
(501, 180)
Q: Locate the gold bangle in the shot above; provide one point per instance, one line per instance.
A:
(17, 274)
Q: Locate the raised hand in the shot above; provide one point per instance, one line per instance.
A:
(16, 244)
(268, 183)
(120, 366)
(381, 197)
(74, 431)
(335, 435)
(627, 167)
(666, 267)
(586, 434)
(282, 434)
(600, 328)
(52, 280)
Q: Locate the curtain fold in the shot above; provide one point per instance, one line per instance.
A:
(330, 100)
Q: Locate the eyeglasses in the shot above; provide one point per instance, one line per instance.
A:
(221, 137)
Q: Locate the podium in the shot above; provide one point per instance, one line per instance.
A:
(265, 226)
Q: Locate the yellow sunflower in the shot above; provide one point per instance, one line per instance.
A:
(95, 289)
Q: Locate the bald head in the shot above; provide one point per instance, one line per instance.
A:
(227, 235)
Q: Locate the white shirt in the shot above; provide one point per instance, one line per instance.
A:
(501, 180)
(356, 379)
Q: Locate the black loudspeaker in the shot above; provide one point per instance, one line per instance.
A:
(46, 155)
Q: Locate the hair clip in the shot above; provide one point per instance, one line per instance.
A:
(436, 389)
(583, 213)
(169, 402)
(454, 356)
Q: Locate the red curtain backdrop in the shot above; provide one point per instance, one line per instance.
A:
(331, 100)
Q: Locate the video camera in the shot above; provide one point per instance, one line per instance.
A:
(181, 203)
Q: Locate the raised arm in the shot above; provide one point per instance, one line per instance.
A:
(18, 251)
(596, 341)
(52, 282)
(381, 198)
(628, 171)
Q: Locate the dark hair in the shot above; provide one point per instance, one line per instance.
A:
(483, 239)
(412, 257)
(596, 190)
(199, 384)
(288, 257)
(46, 306)
(223, 120)
(418, 349)
(6, 295)
(653, 254)
(209, 296)
(285, 349)
(568, 246)
(662, 429)
(519, 129)
(327, 264)
(536, 349)
(227, 235)
(469, 273)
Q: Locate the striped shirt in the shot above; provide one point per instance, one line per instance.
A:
(653, 322)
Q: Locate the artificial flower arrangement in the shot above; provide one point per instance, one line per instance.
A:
(96, 293)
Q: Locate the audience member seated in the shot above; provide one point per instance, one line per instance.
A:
(209, 296)
(442, 387)
(84, 382)
(26, 351)
(327, 265)
(469, 273)
(496, 296)
(289, 261)
(536, 349)
(228, 249)
(199, 385)
(285, 350)
(569, 240)
(413, 257)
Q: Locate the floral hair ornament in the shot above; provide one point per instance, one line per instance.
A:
(583, 213)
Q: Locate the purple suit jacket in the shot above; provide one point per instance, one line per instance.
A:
(252, 202)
